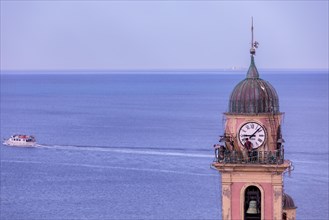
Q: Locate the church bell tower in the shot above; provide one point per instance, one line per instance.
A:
(250, 156)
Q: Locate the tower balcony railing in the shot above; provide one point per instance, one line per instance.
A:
(251, 157)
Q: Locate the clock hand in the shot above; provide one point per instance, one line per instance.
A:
(254, 133)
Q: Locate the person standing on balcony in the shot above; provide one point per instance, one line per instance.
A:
(248, 146)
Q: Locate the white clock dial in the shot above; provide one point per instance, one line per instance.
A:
(254, 132)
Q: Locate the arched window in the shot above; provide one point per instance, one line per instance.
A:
(252, 203)
(284, 216)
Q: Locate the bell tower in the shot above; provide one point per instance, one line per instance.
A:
(250, 156)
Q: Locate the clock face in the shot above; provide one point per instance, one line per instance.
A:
(254, 132)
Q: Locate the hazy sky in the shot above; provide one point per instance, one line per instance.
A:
(120, 35)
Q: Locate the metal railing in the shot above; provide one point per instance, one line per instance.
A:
(252, 157)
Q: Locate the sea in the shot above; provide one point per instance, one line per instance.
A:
(138, 145)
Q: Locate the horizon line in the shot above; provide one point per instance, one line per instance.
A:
(159, 70)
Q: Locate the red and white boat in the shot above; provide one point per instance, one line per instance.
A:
(20, 140)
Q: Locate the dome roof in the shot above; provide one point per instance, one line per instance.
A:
(253, 95)
(287, 202)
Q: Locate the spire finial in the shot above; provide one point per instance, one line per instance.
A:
(254, 44)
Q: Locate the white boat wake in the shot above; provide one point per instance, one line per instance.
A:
(108, 167)
(117, 150)
(126, 150)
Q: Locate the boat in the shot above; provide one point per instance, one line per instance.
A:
(20, 140)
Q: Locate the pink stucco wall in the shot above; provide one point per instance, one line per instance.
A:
(236, 193)
(268, 200)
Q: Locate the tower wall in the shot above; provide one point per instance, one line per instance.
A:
(237, 177)
(238, 189)
(290, 214)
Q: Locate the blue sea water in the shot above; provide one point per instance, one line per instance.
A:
(139, 146)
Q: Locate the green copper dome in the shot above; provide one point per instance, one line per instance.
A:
(253, 95)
